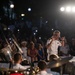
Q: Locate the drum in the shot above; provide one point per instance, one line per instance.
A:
(16, 72)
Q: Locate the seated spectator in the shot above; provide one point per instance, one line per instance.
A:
(32, 52)
(40, 52)
(64, 49)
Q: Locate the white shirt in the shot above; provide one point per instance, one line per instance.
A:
(24, 49)
(53, 49)
(18, 66)
(44, 73)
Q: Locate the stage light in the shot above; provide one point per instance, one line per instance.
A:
(11, 5)
(39, 37)
(36, 30)
(18, 30)
(62, 9)
(68, 9)
(29, 9)
(34, 33)
(52, 29)
(46, 21)
(22, 14)
(8, 28)
(73, 9)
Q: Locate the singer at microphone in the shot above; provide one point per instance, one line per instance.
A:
(53, 44)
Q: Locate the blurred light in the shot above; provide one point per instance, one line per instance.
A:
(18, 30)
(62, 9)
(22, 14)
(52, 29)
(11, 5)
(5, 28)
(39, 37)
(46, 21)
(29, 9)
(73, 9)
(36, 31)
(68, 9)
(16, 71)
(8, 52)
(9, 38)
(8, 28)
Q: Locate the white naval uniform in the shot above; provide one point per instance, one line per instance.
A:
(53, 49)
(48, 72)
(19, 66)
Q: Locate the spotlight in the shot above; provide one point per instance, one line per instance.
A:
(18, 30)
(68, 9)
(62, 9)
(22, 14)
(73, 9)
(52, 29)
(46, 21)
(39, 37)
(29, 9)
(11, 5)
(36, 30)
(8, 28)
(34, 33)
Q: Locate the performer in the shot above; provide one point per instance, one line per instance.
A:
(44, 70)
(17, 61)
(53, 43)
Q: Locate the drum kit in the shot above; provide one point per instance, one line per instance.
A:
(56, 63)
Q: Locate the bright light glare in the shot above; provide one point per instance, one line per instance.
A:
(68, 9)
(12, 6)
(22, 14)
(73, 9)
(62, 9)
(8, 52)
(29, 9)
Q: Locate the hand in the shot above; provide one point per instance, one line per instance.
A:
(53, 38)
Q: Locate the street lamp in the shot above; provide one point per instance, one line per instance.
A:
(11, 5)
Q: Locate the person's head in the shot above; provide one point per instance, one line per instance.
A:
(32, 45)
(56, 34)
(23, 43)
(39, 46)
(42, 65)
(17, 58)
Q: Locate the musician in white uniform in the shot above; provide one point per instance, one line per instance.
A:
(17, 61)
(44, 70)
(53, 44)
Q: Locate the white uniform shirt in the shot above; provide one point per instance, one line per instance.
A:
(53, 49)
(18, 66)
(44, 73)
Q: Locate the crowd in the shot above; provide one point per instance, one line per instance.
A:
(37, 50)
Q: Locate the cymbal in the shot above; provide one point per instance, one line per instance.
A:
(59, 62)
